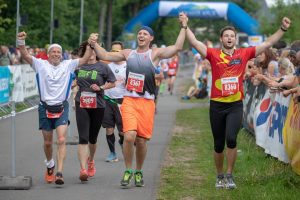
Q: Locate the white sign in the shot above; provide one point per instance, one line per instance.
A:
(269, 118)
(255, 40)
(17, 92)
(193, 9)
(29, 81)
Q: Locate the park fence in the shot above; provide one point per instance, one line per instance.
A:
(18, 84)
(274, 120)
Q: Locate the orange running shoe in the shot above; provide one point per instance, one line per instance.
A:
(49, 175)
(83, 175)
(59, 180)
(91, 168)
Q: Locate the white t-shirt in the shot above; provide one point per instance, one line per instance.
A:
(120, 74)
(54, 82)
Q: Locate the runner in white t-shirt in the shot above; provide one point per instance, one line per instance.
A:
(54, 78)
(114, 99)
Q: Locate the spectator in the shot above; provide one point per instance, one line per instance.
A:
(267, 61)
(5, 56)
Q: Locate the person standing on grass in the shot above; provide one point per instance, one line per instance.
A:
(228, 66)
(138, 105)
(54, 79)
(114, 98)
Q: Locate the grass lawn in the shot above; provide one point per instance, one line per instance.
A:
(188, 172)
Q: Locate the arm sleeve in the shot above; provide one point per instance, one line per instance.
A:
(208, 53)
(250, 51)
(36, 63)
(73, 64)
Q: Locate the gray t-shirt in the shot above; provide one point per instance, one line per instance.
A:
(98, 73)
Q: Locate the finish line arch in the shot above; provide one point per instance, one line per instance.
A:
(205, 10)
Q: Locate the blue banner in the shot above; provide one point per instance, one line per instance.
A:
(4, 84)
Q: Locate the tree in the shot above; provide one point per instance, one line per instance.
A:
(3, 20)
(283, 8)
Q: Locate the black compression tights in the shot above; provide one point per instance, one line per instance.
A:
(88, 123)
(225, 121)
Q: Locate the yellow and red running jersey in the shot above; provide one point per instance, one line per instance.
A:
(228, 73)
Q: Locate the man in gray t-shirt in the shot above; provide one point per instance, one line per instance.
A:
(138, 104)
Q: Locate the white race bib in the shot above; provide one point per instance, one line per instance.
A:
(230, 86)
(135, 82)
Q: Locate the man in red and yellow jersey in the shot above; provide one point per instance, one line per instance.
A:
(226, 107)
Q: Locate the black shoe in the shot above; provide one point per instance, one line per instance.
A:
(59, 180)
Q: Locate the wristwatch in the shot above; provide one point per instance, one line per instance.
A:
(184, 27)
(102, 87)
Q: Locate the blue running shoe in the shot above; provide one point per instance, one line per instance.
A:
(112, 157)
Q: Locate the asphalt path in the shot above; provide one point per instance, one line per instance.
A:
(106, 183)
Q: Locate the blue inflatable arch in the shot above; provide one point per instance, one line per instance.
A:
(212, 10)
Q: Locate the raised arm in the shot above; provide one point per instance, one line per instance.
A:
(102, 53)
(163, 53)
(198, 45)
(285, 24)
(21, 44)
(86, 56)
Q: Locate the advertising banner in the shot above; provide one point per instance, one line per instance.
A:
(4, 84)
(17, 90)
(29, 81)
(254, 40)
(269, 120)
(193, 9)
(291, 136)
(253, 96)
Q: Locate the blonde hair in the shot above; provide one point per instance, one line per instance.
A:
(287, 65)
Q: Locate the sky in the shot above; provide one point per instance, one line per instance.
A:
(272, 2)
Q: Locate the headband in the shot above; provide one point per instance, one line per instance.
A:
(54, 45)
(148, 29)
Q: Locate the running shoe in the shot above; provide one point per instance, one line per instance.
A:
(138, 179)
(59, 180)
(230, 182)
(112, 157)
(83, 176)
(49, 175)
(185, 97)
(91, 168)
(220, 182)
(127, 177)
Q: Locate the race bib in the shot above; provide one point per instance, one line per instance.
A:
(230, 86)
(52, 115)
(172, 72)
(88, 100)
(135, 82)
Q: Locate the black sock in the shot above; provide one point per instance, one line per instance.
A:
(111, 142)
(121, 139)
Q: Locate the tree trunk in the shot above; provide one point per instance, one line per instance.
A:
(101, 22)
(136, 8)
(109, 24)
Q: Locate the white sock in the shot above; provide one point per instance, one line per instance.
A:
(50, 163)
